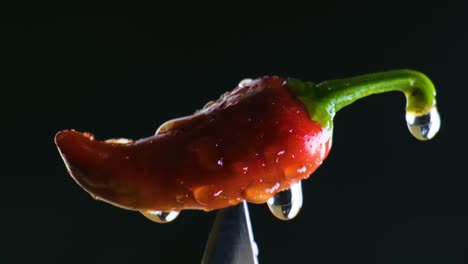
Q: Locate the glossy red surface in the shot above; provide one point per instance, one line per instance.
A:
(248, 145)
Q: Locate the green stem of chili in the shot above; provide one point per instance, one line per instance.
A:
(323, 100)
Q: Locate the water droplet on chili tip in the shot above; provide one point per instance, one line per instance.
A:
(244, 82)
(160, 217)
(424, 127)
(285, 205)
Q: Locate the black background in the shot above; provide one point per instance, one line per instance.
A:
(380, 197)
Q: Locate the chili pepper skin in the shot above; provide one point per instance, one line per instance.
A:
(250, 144)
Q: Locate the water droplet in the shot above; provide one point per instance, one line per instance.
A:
(160, 217)
(207, 105)
(244, 82)
(207, 194)
(424, 127)
(225, 95)
(286, 205)
(122, 141)
(166, 126)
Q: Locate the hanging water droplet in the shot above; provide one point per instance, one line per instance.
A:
(424, 127)
(286, 205)
(244, 82)
(160, 217)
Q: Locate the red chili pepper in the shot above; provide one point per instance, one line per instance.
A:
(250, 144)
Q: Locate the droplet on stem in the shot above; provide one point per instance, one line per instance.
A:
(160, 217)
(424, 127)
(286, 205)
(244, 82)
